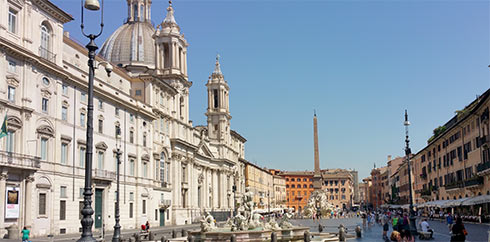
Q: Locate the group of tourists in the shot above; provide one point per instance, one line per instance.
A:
(400, 224)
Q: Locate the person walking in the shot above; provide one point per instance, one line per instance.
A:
(25, 235)
(458, 231)
(395, 222)
(449, 221)
(386, 227)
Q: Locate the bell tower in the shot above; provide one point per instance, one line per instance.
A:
(171, 47)
(218, 111)
(139, 10)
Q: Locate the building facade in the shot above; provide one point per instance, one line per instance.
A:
(455, 162)
(171, 170)
(261, 183)
(299, 186)
(339, 184)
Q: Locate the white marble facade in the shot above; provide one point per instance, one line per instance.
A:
(171, 170)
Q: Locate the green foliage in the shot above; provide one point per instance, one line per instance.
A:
(437, 131)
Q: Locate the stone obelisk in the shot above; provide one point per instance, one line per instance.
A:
(317, 175)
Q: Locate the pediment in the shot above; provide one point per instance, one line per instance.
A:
(101, 145)
(12, 80)
(46, 130)
(145, 157)
(204, 150)
(14, 121)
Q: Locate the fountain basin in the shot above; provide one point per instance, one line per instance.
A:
(292, 234)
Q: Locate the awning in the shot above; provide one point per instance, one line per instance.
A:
(476, 200)
(455, 203)
(434, 204)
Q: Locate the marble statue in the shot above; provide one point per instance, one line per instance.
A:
(208, 223)
(272, 225)
(255, 221)
(285, 224)
(239, 222)
(317, 202)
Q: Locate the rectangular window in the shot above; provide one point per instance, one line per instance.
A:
(44, 104)
(131, 137)
(144, 206)
(12, 21)
(116, 112)
(63, 192)
(64, 89)
(82, 157)
(131, 118)
(82, 119)
(80, 207)
(12, 66)
(10, 141)
(44, 149)
(156, 214)
(101, 126)
(130, 210)
(42, 203)
(144, 140)
(64, 153)
(83, 97)
(131, 196)
(138, 92)
(101, 105)
(100, 160)
(145, 169)
(11, 94)
(162, 124)
(131, 167)
(184, 173)
(64, 113)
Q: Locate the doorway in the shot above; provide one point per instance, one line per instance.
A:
(162, 217)
(98, 208)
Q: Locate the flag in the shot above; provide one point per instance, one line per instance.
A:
(3, 131)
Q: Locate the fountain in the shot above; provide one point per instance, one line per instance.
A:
(248, 226)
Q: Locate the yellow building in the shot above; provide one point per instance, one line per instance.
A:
(260, 182)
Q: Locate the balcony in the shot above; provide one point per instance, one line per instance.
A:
(474, 181)
(483, 168)
(21, 161)
(103, 175)
(165, 203)
(46, 54)
(423, 176)
(454, 185)
(425, 192)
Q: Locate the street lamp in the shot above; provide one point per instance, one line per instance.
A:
(413, 228)
(117, 227)
(87, 211)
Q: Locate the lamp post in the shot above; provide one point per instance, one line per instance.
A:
(268, 202)
(413, 228)
(87, 211)
(117, 227)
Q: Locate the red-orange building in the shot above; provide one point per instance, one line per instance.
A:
(299, 186)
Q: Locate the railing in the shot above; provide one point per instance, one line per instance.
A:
(19, 160)
(104, 175)
(454, 185)
(425, 192)
(423, 176)
(483, 167)
(164, 184)
(46, 54)
(474, 181)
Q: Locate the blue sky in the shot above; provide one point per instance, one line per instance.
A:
(360, 64)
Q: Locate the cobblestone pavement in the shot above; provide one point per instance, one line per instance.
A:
(476, 232)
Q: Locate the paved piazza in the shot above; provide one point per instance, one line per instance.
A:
(476, 232)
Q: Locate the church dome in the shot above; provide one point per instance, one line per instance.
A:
(131, 44)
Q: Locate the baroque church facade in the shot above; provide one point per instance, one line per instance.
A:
(171, 170)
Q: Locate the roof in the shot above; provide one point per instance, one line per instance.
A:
(54, 10)
(256, 166)
(457, 119)
(238, 136)
(296, 173)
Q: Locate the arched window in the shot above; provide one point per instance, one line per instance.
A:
(45, 41)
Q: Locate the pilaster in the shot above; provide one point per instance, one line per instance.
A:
(28, 206)
(3, 182)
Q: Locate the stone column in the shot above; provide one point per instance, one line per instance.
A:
(28, 205)
(3, 182)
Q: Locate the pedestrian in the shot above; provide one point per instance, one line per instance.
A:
(431, 215)
(425, 227)
(25, 235)
(363, 215)
(458, 231)
(386, 227)
(394, 222)
(147, 225)
(407, 236)
(449, 221)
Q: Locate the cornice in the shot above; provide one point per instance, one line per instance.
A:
(52, 9)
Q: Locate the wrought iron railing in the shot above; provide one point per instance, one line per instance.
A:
(483, 166)
(46, 54)
(474, 181)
